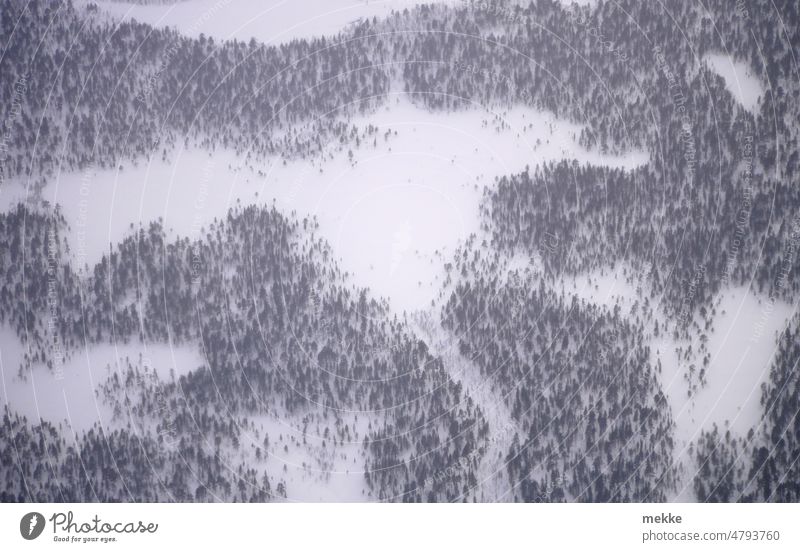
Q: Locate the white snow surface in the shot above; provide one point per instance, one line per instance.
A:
(739, 79)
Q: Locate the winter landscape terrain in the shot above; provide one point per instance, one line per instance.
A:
(390, 250)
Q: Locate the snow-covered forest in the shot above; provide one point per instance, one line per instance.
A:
(398, 251)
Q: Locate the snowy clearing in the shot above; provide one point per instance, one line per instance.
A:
(739, 79)
(68, 394)
(392, 213)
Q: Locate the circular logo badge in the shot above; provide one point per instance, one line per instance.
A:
(31, 525)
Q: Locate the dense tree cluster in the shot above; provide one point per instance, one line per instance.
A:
(95, 92)
(763, 466)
